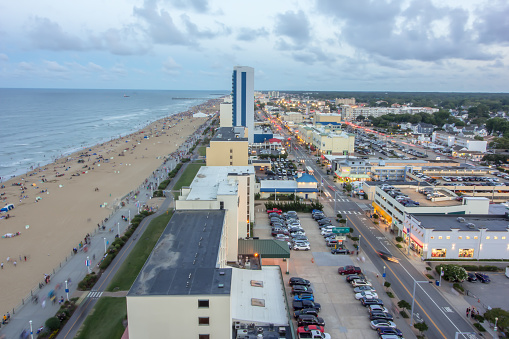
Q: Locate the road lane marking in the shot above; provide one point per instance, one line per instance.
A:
(403, 285)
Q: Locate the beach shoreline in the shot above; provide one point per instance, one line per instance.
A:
(57, 204)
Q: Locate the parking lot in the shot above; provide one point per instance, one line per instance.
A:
(344, 316)
(495, 294)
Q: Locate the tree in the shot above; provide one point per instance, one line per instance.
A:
(502, 315)
(404, 304)
(477, 137)
(422, 327)
(387, 285)
(348, 187)
(453, 272)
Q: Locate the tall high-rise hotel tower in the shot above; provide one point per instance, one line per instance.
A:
(243, 99)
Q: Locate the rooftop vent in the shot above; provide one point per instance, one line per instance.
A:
(460, 219)
(220, 285)
(221, 272)
(470, 225)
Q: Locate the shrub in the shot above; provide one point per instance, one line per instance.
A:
(387, 284)
(52, 324)
(429, 276)
(458, 287)
(355, 238)
(124, 238)
(480, 327)
(87, 282)
(107, 261)
(452, 272)
(428, 268)
(403, 314)
(54, 334)
(128, 233)
(390, 294)
(399, 239)
(399, 246)
(479, 318)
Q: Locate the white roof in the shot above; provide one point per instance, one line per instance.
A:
(213, 180)
(276, 184)
(272, 293)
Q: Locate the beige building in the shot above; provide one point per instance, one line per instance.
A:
(333, 142)
(293, 116)
(228, 147)
(327, 118)
(229, 188)
(345, 101)
(226, 113)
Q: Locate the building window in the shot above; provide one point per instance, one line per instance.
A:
(447, 237)
(468, 238)
(231, 150)
(460, 237)
(231, 163)
(203, 321)
(440, 237)
(231, 156)
(488, 238)
(204, 336)
(495, 238)
(475, 237)
(466, 253)
(432, 238)
(203, 303)
(438, 253)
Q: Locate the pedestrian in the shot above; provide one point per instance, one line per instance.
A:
(14, 263)
(468, 311)
(25, 258)
(2, 265)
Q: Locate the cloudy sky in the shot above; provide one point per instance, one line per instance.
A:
(348, 45)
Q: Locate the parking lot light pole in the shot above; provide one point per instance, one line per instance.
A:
(31, 330)
(359, 249)
(384, 274)
(495, 328)
(413, 300)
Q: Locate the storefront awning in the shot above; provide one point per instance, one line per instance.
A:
(267, 248)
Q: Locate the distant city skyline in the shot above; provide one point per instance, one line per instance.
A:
(320, 45)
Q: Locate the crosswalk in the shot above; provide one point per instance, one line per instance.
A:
(350, 212)
(95, 294)
(339, 200)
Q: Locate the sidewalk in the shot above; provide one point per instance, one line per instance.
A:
(75, 269)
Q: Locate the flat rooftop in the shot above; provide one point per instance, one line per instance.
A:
(444, 222)
(184, 260)
(229, 134)
(396, 183)
(423, 202)
(213, 180)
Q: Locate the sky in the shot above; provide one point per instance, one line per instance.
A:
(327, 45)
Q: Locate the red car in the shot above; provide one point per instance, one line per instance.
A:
(305, 329)
(349, 270)
(274, 210)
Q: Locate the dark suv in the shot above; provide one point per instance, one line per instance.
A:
(306, 319)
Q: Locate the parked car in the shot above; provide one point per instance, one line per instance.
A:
(381, 323)
(299, 305)
(300, 246)
(296, 289)
(305, 320)
(380, 315)
(339, 251)
(363, 288)
(471, 277)
(389, 330)
(298, 281)
(360, 282)
(484, 278)
(304, 296)
(375, 308)
(351, 277)
(366, 294)
(282, 237)
(368, 302)
(331, 242)
(349, 269)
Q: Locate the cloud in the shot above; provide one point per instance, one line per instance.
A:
(194, 32)
(4, 57)
(26, 66)
(54, 66)
(295, 26)
(47, 34)
(200, 6)
(493, 25)
(95, 67)
(420, 31)
(250, 34)
(170, 66)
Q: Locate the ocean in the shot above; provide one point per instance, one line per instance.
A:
(40, 125)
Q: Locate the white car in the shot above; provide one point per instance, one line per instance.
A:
(301, 247)
(282, 237)
(361, 282)
(326, 230)
(298, 233)
(382, 323)
(363, 288)
(366, 294)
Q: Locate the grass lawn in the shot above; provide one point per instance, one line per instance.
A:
(132, 265)
(202, 151)
(187, 177)
(105, 320)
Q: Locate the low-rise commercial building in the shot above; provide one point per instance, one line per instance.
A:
(454, 237)
(465, 143)
(332, 142)
(352, 112)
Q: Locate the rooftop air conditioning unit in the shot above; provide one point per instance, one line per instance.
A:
(460, 219)
(470, 225)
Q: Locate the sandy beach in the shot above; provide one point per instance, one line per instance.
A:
(58, 204)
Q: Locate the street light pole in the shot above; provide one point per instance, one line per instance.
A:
(413, 300)
(383, 276)
(66, 290)
(31, 330)
(105, 249)
(118, 228)
(495, 328)
(441, 273)
(360, 236)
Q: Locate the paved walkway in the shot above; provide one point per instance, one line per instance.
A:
(74, 270)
